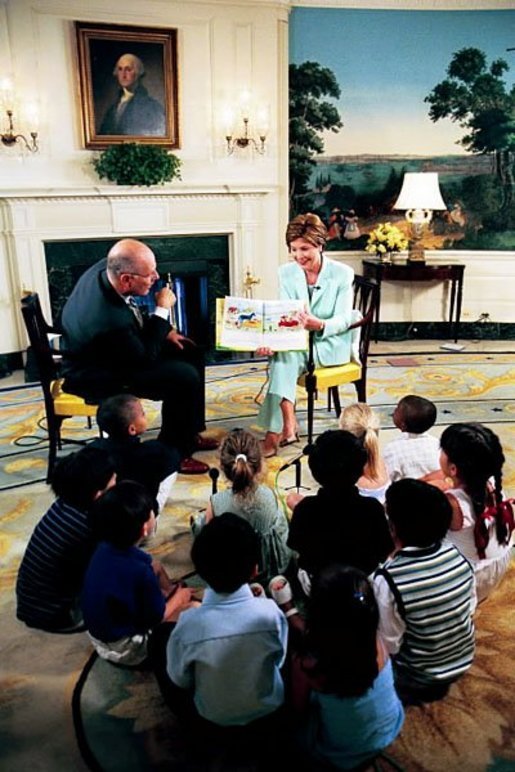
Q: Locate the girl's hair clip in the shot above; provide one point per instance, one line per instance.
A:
(358, 595)
(241, 456)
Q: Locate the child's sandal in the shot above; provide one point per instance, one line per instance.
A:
(281, 594)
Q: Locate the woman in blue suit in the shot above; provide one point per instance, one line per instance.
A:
(326, 287)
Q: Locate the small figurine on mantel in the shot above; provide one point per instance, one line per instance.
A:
(248, 283)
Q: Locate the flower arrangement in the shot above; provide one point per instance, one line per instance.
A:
(386, 238)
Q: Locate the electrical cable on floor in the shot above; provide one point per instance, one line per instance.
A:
(78, 724)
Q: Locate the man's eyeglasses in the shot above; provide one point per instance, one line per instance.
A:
(154, 274)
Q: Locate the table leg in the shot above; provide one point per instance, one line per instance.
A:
(458, 308)
(378, 307)
(451, 308)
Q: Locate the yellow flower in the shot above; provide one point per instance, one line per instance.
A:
(386, 238)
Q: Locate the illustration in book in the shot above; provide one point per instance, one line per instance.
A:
(248, 324)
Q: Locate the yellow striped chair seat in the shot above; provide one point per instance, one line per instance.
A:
(70, 404)
(329, 377)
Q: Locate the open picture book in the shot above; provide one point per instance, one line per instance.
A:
(246, 324)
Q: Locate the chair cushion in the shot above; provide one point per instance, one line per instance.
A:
(69, 404)
(334, 376)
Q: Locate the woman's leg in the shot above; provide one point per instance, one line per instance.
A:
(277, 412)
(272, 439)
(289, 420)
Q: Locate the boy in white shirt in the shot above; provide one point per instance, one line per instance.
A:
(416, 453)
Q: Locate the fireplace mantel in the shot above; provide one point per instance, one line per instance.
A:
(247, 214)
(121, 192)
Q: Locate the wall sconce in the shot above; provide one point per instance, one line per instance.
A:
(420, 196)
(245, 140)
(10, 137)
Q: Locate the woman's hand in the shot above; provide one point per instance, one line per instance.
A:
(264, 351)
(310, 322)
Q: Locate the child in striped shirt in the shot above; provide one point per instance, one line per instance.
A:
(426, 595)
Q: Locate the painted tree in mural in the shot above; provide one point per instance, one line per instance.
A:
(310, 114)
(476, 97)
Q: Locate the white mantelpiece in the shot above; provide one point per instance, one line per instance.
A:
(29, 219)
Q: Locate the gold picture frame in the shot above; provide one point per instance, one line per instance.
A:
(128, 85)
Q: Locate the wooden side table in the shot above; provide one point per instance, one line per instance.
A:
(405, 271)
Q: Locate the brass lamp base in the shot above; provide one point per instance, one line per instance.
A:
(416, 251)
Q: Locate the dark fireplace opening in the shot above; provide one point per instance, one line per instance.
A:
(197, 265)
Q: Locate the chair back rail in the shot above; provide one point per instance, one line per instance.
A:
(58, 406)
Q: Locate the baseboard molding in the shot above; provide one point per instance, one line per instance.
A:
(9, 363)
(392, 331)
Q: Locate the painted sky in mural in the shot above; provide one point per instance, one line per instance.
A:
(386, 62)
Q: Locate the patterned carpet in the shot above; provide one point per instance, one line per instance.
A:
(126, 724)
(465, 387)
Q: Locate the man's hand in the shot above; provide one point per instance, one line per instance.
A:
(165, 298)
(178, 340)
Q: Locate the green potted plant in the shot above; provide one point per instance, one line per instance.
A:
(131, 163)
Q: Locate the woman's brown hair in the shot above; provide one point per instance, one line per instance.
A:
(308, 227)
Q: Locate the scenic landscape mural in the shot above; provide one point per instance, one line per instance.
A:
(374, 94)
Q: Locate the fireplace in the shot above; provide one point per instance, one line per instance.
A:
(198, 264)
(205, 234)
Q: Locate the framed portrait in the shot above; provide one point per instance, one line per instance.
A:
(128, 85)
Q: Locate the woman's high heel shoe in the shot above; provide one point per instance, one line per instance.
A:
(270, 445)
(289, 440)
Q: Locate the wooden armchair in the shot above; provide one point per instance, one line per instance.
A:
(58, 404)
(330, 378)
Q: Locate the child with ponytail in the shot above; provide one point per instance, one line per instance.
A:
(242, 463)
(361, 421)
(482, 523)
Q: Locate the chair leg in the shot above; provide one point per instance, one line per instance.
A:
(336, 399)
(361, 389)
(53, 435)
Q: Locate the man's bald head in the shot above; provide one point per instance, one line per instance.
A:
(131, 267)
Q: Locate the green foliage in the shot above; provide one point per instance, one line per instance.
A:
(476, 97)
(309, 115)
(132, 163)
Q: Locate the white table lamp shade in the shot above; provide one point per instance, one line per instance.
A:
(420, 190)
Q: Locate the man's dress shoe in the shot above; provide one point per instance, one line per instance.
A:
(192, 466)
(206, 443)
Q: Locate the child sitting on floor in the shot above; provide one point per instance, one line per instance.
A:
(338, 525)
(363, 422)
(150, 463)
(415, 453)
(56, 558)
(242, 464)
(426, 594)
(125, 594)
(342, 680)
(226, 655)
(482, 524)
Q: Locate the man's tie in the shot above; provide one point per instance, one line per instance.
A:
(135, 310)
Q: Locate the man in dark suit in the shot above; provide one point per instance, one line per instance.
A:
(109, 348)
(135, 112)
